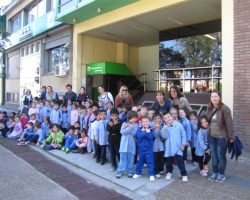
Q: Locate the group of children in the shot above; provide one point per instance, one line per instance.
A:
(133, 136)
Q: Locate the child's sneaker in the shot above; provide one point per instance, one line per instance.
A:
(151, 178)
(136, 176)
(118, 175)
(184, 179)
(67, 150)
(168, 176)
(63, 149)
(220, 178)
(157, 176)
(27, 142)
(130, 175)
(21, 143)
(204, 173)
(162, 173)
(112, 169)
(213, 177)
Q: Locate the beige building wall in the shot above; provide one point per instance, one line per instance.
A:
(227, 52)
(58, 83)
(149, 61)
(12, 86)
(94, 50)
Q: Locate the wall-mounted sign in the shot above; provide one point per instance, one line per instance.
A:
(25, 32)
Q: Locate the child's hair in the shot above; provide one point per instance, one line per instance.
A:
(33, 115)
(31, 124)
(146, 117)
(23, 113)
(131, 114)
(72, 128)
(110, 102)
(55, 125)
(95, 112)
(201, 118)
(114, 111)
(47, 119)
(51, 126)
(77, 123)
(37, 125)
(157, 115)
(77, 129)
(84, 132)
(102, 111)
(193, 113)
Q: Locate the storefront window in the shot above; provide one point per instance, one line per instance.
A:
(58, 56)
(15, 23)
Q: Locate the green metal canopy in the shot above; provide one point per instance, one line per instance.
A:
(108, 68)
(80, 10)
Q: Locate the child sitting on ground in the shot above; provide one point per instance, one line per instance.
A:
(145, 141)
(69, 139)
(3, 129)
(81, 143)
(54, 141)
(17, 130)
(27, 133)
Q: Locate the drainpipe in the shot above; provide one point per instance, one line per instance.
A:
(2, 78)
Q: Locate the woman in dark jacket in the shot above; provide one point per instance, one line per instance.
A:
(82, 96)
(124, 98)
(161, 105)
(220, 132)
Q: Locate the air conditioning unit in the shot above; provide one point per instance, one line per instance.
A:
(60, 70)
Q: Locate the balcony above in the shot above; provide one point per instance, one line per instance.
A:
(75, 11)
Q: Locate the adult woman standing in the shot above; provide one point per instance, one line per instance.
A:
(27, 100)
(161, 105)
(178, 100)
(50, 94)
(104, 96)
(124, 98)
(220, 132)
(82, 96)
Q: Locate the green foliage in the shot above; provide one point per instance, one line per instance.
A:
(3, 34)
(197, 51)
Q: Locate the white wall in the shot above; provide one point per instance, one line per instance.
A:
(149, 61)
(227, 52)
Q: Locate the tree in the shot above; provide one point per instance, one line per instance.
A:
(3, 34)
(200, 51)
(170, 58)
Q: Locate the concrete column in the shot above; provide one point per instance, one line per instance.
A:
(122, 53)
(77, 71)
(227, 52)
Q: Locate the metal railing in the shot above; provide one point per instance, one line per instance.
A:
(165, 76)
(143, 75)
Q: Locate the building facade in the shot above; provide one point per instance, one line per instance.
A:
(39, 50)
(129, 32)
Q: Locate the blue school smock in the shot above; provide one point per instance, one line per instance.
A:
(40, 134)
(65, 120)
(45, 129)
(201, 143)
(158, 144)
(127, 144)
(55, 116)
(194, 126)
(187, 126)
(101, 134)
(175, 137)
(83, 121)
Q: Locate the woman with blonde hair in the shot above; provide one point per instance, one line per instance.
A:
(123, 97)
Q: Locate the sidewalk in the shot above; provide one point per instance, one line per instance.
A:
(236, 186)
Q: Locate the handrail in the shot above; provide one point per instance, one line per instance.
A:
(186, 68)
(137, 77)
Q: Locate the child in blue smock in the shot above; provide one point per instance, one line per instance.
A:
(65, 119)
(175, 142)
(202, 149)
(127, 146)
(194, 125)
(188, 129)
(69, 139)
(145, 141)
